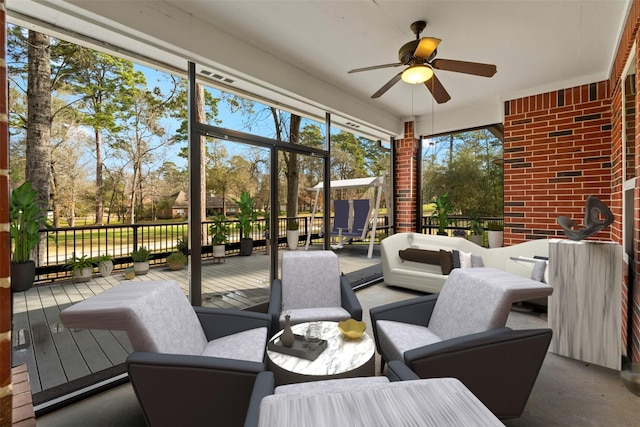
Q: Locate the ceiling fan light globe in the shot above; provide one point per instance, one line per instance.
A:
(417, 74)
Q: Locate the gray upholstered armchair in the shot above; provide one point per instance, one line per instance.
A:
(460, 333)
(312, 289)
(187, 361)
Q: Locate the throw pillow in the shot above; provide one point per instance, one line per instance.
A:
(420, 255)
(465, 259)
(537, 273)
(476, 261)
(455, 254)
(446, 261)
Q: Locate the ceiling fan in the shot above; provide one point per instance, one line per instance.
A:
(420, 57)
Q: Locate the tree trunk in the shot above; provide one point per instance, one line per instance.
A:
(201, 118)
(99, 201)
(292, 168)
(38, 153)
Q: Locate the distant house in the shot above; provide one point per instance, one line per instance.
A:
(180, 206)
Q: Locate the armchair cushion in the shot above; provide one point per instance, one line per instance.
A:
(477, 299)
(142, 309)
(398, 337)
(248, 345)
(310, 279)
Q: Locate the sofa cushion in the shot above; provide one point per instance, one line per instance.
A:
(465, 259)
(538, 270)
(446, 261)
(420, 255)
(440, 257)
(476, 261)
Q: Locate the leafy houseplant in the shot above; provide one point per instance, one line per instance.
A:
(246, 221)
(292, 234)
(442, 211)
(477, 230)
(105, 264)
(81, 267)
(183, 245)
(141, 260)
(176, 260)
(219, 230)
(27, 216)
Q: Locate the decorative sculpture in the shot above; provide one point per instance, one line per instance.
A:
(593, 223)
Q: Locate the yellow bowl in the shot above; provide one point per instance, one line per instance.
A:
(352, 328)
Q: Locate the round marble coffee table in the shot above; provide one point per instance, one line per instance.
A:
(343, 358)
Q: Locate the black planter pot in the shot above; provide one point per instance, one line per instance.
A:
(22, 275)
(246, 246)
(442, 233)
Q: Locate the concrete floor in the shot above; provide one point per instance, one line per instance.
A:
(567, 392)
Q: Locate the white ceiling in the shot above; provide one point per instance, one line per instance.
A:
(297, 53)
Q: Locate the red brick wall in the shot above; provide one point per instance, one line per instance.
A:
(557, 151)
(405, 172)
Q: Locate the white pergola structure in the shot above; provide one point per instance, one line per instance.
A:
(375, 182)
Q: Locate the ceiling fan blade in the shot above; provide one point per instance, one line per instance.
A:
(475, 68)
(374, 67)
(426, 47)
(438, 91)
(387, 86)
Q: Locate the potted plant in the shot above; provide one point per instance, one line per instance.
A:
(176, 260)
(81, 267)
(183, 245)
(442, 211)
(105, 265)
(141, 260)
(495, 235)
(219, 230)
(246, 221)
(477, 230)
(27, 216)
(292, 234)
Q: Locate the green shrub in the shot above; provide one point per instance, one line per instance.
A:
(176, 257)
(141, 255)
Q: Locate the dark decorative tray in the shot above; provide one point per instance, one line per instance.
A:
(298, 349)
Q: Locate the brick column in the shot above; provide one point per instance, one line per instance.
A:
(5, 266)
(405, 176)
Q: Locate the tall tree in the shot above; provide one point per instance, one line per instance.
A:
(292, 173)
(142, 138)
(38, 152)
(103, 83)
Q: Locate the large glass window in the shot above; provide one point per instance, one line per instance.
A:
(466, 167)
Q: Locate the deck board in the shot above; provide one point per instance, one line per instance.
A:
(56, 355)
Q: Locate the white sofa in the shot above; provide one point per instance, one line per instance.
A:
(429, 278)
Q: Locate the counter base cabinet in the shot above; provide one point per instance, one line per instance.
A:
(585, 309)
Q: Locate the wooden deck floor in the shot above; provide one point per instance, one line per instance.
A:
(56, 355)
